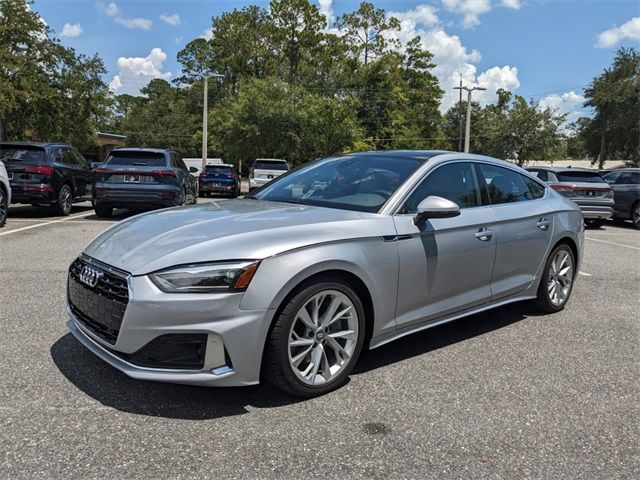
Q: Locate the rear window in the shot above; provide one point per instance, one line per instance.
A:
(217, 169)
(586, 177)
(27, 154)
(270, 165)
(142, 159)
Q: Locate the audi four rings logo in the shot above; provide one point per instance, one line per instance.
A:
(90, 276)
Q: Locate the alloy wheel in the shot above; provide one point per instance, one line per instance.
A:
(66, 200)
(636, 216)
(560, 277)
(323, 337)
(3, 208)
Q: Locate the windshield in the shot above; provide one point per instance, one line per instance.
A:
(27, 154)
(217, 170)
(145, 159)
(270, 165)
(587, 177)
(360, 182)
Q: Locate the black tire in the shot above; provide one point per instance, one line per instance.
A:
(63, 204)
(276, 367)
(543, 302)
(4, 207)
(594, 222)
(103, 211)
(635, 215)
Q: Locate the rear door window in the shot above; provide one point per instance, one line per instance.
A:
(628, 178)
(506, 186)
(579, 177)
(141, 159)
(68, 157)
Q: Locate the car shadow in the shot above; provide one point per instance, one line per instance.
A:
(30, 212)
(112, 388)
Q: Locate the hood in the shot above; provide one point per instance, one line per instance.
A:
(229, 230)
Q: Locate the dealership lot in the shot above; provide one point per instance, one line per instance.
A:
(504, 394)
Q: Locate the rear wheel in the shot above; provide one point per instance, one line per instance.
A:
(4, 207)
(102, 211)
(594, 222)
(64, 202)
(316, 339)
(635, 215)
(557, 280)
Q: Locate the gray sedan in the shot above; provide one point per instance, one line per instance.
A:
(345, 253)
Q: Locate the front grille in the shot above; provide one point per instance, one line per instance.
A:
(99, 308)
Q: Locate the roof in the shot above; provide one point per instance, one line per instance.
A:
(218, 165)
(37, 144)
(559, 169)
(421, 154)
(141, 149)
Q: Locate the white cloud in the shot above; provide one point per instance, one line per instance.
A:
(113, 10)
(110, 9)
(207, 33)
(494, 78)
(171, 19)
(141, 23)
(469, 9)
(421, 15)
(630, 30)
(326, 8)
(515, 4)
(135, 72)
(570, 103)
(71, 30)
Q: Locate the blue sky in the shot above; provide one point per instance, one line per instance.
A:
(542, 49)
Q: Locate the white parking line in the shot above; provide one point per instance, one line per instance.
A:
(80, 215)
(613, 243)
(585, 274)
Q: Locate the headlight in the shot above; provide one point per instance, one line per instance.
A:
(206, 278)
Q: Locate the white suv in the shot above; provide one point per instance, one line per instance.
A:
(5, 194)
(266, 169)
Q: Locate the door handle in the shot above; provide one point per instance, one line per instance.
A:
(484, 234)
(543, 224)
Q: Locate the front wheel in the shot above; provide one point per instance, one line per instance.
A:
(635, 215)
(4, 207)
(316, 339)
(64, 202)
(557, 280)
(594, 222)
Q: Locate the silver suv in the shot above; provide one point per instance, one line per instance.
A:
(266, 169)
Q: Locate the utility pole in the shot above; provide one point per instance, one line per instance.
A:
(460, 117)
(205, 117)
(468, 125)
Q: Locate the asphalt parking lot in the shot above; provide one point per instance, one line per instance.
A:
(505, 394)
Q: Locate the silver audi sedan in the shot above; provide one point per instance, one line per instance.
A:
(345, 253)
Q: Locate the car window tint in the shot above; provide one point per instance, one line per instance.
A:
(181, 163)
(628, 178)
(68, 157)
(542, 175)
(270, 165)
(20, 153)
(456, 182)
(133, 158)
(579, 176)
(611, 178)
(506, 186)
(80, 160)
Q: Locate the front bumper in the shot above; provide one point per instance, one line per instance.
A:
(235, 337)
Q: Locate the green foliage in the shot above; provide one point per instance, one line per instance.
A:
(47, 92)
(614, 131)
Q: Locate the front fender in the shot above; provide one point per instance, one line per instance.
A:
(372, 260)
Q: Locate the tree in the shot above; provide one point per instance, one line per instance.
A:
(615, 97)
(366, 28)
(47, 91)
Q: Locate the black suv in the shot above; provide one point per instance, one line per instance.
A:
(142, 178)
(47, 174)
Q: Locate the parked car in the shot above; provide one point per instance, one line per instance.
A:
(585, 187)
(5, 194)
(47, 174)
(142, 178)
(220, 179)
(626, 187)
(345, 253)
(264, 170)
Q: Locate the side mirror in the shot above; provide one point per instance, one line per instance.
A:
(193, 170)
(435, 207)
